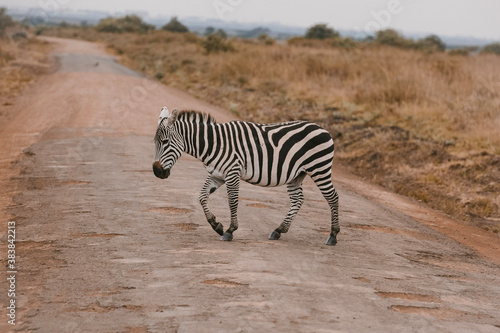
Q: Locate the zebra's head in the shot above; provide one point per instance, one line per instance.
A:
(169, 144)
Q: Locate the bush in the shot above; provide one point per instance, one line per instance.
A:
(492, 48)
(209, 31)
(221, 33)
(266, 40)
(345, 43)
(393, 38)
(65, 25)
(305, 42)
(129, 23)
(19, 35)
(254, 33)
(215, 43)
(5, 21)
(175, 26)
(5, 57)
(321, 31)
(464, 52)
(431, 43)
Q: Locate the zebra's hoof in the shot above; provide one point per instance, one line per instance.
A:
(219, 229)
(332, 240)
(227, 237)
(274, 235)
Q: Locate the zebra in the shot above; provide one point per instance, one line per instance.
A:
(264, 155)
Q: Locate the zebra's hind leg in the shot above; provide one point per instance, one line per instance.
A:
(211, 184)
(323, 180)
(296, 199)
(233, 187)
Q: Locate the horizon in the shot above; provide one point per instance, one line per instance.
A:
(364, 16)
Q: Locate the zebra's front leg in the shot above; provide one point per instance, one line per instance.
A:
(211, 184)
(296, 199)
(233, 187)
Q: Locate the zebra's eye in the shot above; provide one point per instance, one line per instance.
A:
(165, 142)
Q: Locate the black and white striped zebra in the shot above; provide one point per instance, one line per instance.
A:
(265, 155)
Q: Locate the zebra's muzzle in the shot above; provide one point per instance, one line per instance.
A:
(159, 171)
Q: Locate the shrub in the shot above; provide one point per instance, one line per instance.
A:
(175, 26)
(266, 40)
(254, 33)
(221, 33)
(209, 31)
(304, 42)
(64, 25)
(215, 43)
(492, 48)
(19, 36)
(5, 57)
(393, 38)
(431, 43)
(464, 52)
(129, 23)
(345, 43)
(5, 21)
(321, 31)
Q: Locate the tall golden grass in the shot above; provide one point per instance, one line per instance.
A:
(7, 52)
(429, 118)
(21, 61)
(437, 96)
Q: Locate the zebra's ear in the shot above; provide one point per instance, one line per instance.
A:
(164, 114)
(173, 117)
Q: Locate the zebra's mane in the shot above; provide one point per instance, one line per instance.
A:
(184, 115)
(196, 117)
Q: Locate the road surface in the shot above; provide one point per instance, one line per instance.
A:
(104, 246)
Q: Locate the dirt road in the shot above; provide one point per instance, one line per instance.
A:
(104, 246)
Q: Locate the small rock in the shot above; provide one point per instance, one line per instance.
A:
(449, 143)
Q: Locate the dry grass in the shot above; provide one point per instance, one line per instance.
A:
(423, 124)
(436, 96)
(21, 62)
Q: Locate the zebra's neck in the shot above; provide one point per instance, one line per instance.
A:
(199, 138)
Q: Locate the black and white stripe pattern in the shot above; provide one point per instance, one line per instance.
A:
(264, 155)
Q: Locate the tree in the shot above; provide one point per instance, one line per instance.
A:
(215, 43)
(431, 42)
(209, 31)
(491, 48)
(221, 33)
(64, 24)
(321, 31)
(393, 38)
(129, 23)
(175, 26)
(266, 40)
(254, 33)
(5, 21)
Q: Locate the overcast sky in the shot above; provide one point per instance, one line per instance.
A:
(478, 18)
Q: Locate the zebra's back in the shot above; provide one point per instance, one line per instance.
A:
(276, 154)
